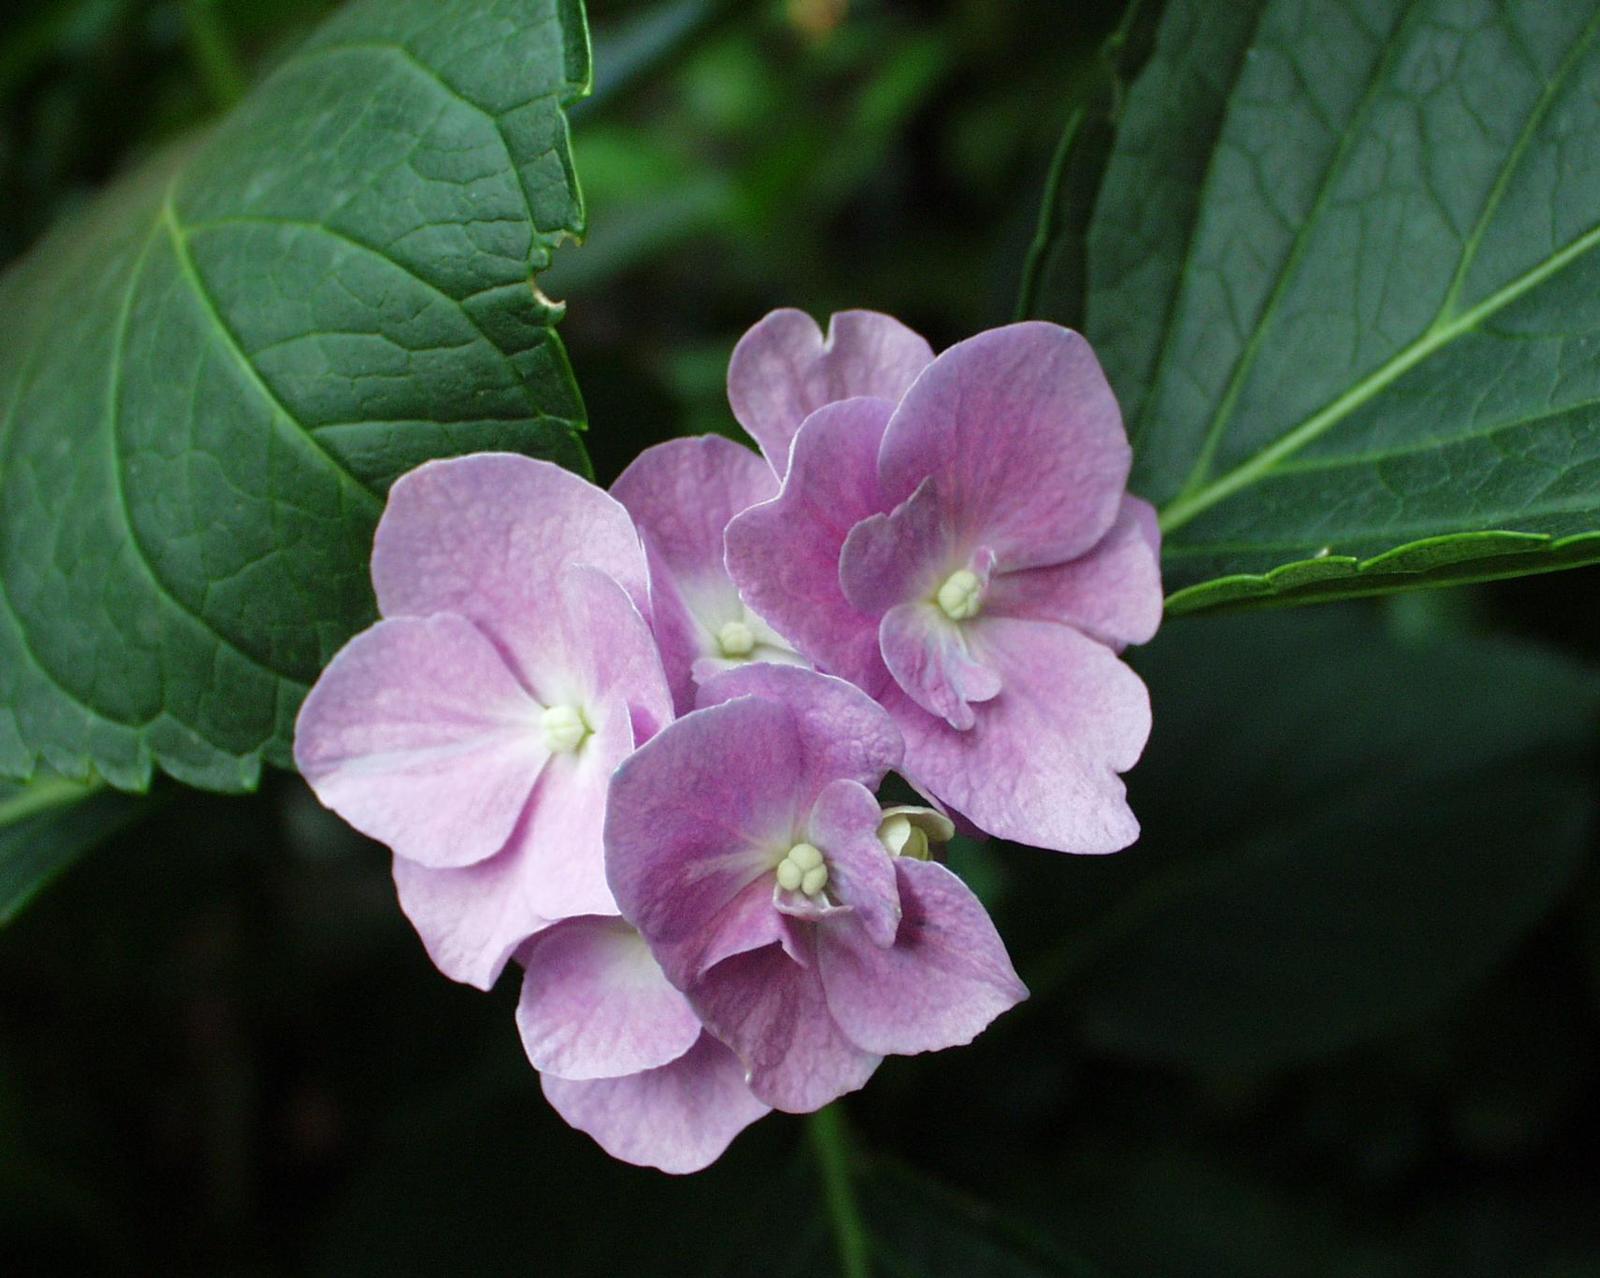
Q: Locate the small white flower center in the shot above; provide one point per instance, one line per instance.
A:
(901, 838)
(803, 870)
(736, 639)
(960, 595)
(564, 729)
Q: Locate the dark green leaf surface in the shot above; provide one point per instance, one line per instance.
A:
(1343, 833)
(210, 378)
(46, 825)
(1343, 274)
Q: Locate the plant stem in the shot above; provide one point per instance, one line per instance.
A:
(830, 1143)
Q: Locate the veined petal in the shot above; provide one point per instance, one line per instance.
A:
(927, 654)
(844, 825)
(1040, 763)
(1112, 594)
(419, 735)
(696, 821)
(941, 983)
(595, 1004)
(678, 1117)
(488, 536)
(784, 554)
(771, 1011)
(609, 652)
(895, 557)
(1022, 439)
(471, 920)
(681, 495)
(783, 370)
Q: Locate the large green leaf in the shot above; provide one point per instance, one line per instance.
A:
(46, 825)
(1343, 275)
(1343, 832)
(209, 379)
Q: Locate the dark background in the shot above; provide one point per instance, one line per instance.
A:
(1338, 1013)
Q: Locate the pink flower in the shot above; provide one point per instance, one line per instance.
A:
(744, 843)
(969, 555)
(681, 495)
(475, 728)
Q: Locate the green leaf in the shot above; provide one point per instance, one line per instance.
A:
(1343, 275)
(210, 378)
(1343, 833)
(46, 825)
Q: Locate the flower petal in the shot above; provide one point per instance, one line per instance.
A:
(927, 654)
(696, 821)
(890, 558)
(473, 919)
(1023, 440)
(1040, 764)
(610, 653)
(488, 536)
(783, 370)
(678, 1117)
(946, 977)
(842, 732)
(419, 735)
(596, 1005)
(771, 1011)
(784, 554)
(1112, 594)
(844, 825)
(681, 495)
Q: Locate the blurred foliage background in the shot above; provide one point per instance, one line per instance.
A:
(1338, 1013)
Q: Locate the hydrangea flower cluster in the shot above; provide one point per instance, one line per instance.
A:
(632, 741)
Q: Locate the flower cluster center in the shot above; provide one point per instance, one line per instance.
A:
(736, 639)
(803, 870)
(960, 595)
(564, 728)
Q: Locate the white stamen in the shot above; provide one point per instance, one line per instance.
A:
(564, 729)
(803, 869)
(736, 639)
(894, 833)
(960, 595)
(910, 831)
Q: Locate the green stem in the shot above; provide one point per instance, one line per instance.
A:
(212, 51)
(830, 1143)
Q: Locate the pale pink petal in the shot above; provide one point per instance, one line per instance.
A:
(772, 1012)
(844, 825)
(488, 536)
(784, 554)
(473, 919)
(610, 652)
(927, 654)
(843, 733)
(697, 820)
(1022, 438)
(1040, 764)
(596, 1005)
(678, 1117)
(946, 977)
(783, 370)
(890, 558)
(1112, 594)
(681, 495)
(419, 735)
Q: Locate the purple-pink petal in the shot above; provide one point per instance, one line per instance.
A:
(783, 370)
(927, 654)
(772, 1012)
(844, 825)
(1040, 764)
(595, 1004)
(1112, 594)
(488, 536)
(678, 1117)
(608, 656)
(696, 821)
(946, 977)
(784, 554)
(681, 495)
(1022, 439)
(473, 919)
(900, 555)
(419, 735)
(842, 732)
